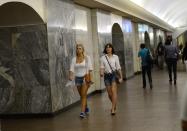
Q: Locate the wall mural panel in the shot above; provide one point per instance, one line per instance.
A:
(25, 70)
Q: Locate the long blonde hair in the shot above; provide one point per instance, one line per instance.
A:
(80, 45)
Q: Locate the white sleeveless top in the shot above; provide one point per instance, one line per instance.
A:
(80, 69)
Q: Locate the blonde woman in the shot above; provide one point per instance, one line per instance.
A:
(80, 66)
(109, 64)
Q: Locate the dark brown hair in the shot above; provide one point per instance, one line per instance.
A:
(109, 45)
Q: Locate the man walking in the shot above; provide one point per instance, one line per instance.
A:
(171, 56)
(146, 66)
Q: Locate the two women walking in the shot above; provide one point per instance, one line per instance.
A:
(81, 66)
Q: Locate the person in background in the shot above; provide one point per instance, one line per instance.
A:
(160, 55)
(80, 66)
(171, 56)
(184, 55)
(146, 67)
(110, 63)
(180, 50)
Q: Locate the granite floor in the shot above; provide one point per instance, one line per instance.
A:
(137, 110)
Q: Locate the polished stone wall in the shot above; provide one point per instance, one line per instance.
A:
(104, 29)
(104, 36)
(127, 27)
(98, 82)
(24, 70)
(61, 42)
(136, 48)
(83, 35)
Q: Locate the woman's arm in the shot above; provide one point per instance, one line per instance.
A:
(101, 72)
(71, 71)
(101, 67)
(120, 72)
(90, 68)
(71, 76)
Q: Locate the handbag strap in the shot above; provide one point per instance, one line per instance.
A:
(86, 64)
(108, 63)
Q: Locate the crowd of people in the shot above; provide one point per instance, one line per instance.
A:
(81, 71)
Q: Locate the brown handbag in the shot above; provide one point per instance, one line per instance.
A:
(87, 77)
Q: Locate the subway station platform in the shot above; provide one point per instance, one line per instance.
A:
(138, 110)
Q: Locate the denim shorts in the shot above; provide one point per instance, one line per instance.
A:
(109, 78)
(79, 81)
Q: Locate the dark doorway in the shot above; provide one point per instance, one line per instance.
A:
(118, 43)
(147, 40)
(18, 13)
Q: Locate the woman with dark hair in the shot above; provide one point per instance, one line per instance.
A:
(109, 65)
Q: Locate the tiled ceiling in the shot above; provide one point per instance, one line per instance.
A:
(172, 12)
(129, 9)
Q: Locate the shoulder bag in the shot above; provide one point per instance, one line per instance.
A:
(116, 72)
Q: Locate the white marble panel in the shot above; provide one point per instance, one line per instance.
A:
(61, 41)
(83, 33)
(116, 19)
(96, 54)
(104, 34)
(104, 22)
(128, 39)
(136, 47)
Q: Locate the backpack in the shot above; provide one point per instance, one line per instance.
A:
(149, 58)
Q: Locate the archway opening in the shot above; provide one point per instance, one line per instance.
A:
(18, 13)
(147, 40)
(118, 43)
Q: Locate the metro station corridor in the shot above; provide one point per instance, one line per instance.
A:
(138, 109)
(39, 55)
